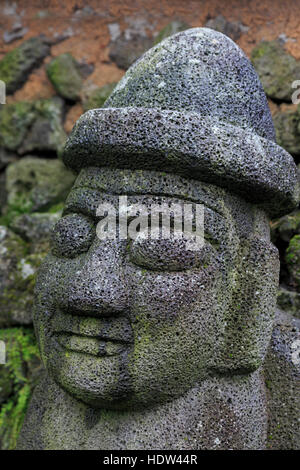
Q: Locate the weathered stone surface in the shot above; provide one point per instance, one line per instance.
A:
(151, 360)
(282, 380)
(32, 126)
(147, 343)
(197, 71)
(190, 129)
(193, 146)
(63, 72)
(97, 97)
(37, 183)
(17, 64)
(276, 69)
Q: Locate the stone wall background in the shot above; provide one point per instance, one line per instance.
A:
(59, 59)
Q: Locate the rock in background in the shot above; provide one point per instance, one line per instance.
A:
(60, 61)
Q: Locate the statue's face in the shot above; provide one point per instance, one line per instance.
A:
(125, 323)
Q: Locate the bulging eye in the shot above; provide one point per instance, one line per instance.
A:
(72, 235)
(167, 254)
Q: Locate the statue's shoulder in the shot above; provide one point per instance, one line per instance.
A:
(30, 436)
(282, 375)
(49, 405)
(54, 419)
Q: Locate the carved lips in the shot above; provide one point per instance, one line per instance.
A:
(91, 334)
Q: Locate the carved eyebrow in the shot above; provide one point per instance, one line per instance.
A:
(87, 199)
(84, 200)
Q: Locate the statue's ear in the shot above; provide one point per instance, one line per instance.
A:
(249, 318)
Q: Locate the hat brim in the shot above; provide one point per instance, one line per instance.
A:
(191, 145)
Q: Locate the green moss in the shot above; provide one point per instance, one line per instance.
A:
(18, 63)
(22, 358)
(292, 258)
(17, 291)
(32, 126)
(36, 184)
(56, 208)
(9, 65)
(293, 250)
(64, 75)
(15, 120)
(276, 69)
(21, 205)
(262, 49)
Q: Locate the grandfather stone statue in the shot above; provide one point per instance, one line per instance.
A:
(148, 344)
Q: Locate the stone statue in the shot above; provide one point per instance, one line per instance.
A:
(147, 344)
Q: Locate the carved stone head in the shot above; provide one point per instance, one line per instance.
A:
(125, 323)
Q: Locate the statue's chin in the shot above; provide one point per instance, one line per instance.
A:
(97, 382)
(113, 399)
(110, 392)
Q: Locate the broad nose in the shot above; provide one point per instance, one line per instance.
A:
(97, 285)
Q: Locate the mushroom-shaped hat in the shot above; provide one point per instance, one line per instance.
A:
(192, 105)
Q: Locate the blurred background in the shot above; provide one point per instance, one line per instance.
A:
(59, 59)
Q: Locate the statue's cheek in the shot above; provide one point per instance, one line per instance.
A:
(249, 316)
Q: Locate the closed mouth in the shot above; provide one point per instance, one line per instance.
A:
(92, 335)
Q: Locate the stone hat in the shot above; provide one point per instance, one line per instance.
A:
(192, 105)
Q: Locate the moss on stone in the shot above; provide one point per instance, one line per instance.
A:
(46, 133)
(32, 126)
(35, 184)
(276, 69)
(64, 75)
(9, 65)
(293, 250)
(17, 64)
(17, 273)
(15, 120)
